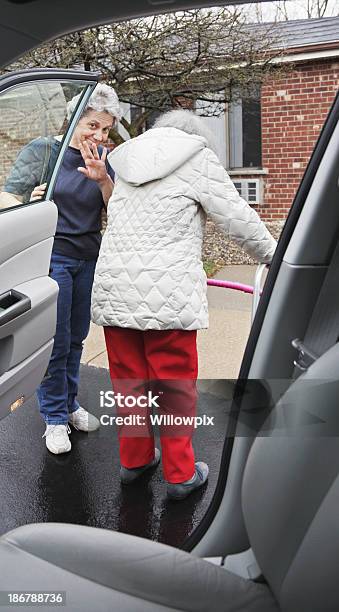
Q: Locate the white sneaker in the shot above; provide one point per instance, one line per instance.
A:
(83, 420)
(57, 440)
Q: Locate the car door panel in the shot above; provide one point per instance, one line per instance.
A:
(26, 341)
(37, 323)
(24, 227)
(20, 382)
(28, 296)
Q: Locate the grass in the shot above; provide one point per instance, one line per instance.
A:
(210, 268)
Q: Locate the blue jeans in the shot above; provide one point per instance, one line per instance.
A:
(57, 393)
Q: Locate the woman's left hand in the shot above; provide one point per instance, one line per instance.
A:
(95, 165)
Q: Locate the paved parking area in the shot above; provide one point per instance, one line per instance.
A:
(83, 486)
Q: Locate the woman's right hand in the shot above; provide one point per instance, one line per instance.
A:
(38, 192)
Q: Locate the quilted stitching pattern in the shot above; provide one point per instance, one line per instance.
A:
(232, 213)
(149, 274)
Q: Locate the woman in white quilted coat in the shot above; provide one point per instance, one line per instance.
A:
(149, 290)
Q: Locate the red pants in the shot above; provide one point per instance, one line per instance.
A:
(169, 360)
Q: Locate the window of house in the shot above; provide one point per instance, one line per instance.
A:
(244, 123)
(249, 189)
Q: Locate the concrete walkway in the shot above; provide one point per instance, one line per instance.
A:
(222, 346)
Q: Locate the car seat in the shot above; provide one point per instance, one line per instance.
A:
(290, 502)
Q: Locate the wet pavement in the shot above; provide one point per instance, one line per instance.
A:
(83, 486)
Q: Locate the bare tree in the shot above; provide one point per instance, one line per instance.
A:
(287, 10)
(168, 60)
(316, 8)
(282, 10)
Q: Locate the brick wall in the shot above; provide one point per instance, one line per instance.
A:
(294, 109)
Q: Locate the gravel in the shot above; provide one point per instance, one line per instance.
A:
(223, 252)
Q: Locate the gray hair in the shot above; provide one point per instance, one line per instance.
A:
(188, 122)
(103, 98)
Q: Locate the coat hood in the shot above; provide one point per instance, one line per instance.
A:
(154, 154)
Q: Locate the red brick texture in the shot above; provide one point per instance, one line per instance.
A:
(294, 109)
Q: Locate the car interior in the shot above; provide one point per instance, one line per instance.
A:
(269, 540)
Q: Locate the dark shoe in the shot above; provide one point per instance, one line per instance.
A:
(181, 490)
(128, 475)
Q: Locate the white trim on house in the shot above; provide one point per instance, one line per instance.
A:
(126, 113)
(247, 171)
(306, 56)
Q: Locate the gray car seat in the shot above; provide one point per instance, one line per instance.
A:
(290, 505)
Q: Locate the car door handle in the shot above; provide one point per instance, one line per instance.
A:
(12, 305)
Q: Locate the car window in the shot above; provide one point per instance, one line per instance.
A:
(34, 120)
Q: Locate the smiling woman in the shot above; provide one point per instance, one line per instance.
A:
(84, 185)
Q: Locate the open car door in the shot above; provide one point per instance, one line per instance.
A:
(32, 106)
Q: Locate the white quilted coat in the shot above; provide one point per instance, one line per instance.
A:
(149, 273)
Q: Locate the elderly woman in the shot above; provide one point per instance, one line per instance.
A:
(149, 289)
(83, 188)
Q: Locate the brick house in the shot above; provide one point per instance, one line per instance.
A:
(265, 143)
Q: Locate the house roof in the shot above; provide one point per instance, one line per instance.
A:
(305, 33)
